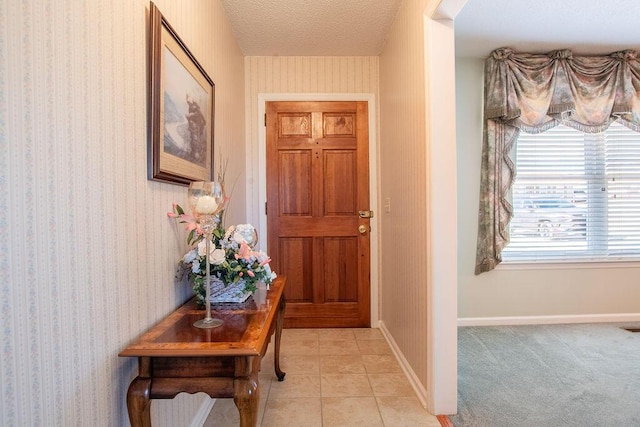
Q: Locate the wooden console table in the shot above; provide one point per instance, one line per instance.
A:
(174, 356)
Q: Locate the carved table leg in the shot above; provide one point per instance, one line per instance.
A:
(276, 349)
(246, 397)
(138, 402)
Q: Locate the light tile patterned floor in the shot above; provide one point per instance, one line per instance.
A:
(335, 377)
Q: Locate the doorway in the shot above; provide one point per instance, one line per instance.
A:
(318, 210)
(257, 194)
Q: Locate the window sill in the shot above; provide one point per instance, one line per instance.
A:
(565, 265)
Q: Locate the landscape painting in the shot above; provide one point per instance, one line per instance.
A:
(182, 109)
(185, 126)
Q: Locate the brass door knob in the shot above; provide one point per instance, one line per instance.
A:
(362, 229)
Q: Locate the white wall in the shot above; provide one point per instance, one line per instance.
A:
(442, 332)
(581, 291)
(87, 253)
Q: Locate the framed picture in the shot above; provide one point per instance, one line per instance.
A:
(181, 108)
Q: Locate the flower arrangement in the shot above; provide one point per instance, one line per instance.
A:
(232, 259)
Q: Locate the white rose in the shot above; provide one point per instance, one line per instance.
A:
(217, 257)
(202, 248)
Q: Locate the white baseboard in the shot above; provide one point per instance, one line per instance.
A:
(203, 413)
(548, 320)
(421, 392)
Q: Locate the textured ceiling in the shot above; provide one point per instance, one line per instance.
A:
(584, 26)
(360, 27)
(311, 27)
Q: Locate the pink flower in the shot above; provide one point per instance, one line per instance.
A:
(191, 226)
(190, 222)
(177, 211)
(244, 251)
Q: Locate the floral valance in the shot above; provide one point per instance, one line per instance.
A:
(533, 93)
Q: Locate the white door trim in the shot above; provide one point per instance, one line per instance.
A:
(260, 181)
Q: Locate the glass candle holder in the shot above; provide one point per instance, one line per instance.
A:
(207, 199)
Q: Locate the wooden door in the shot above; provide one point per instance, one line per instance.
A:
(317, 184)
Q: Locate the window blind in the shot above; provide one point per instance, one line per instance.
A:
(576, 196)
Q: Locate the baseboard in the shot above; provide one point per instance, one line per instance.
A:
(547, 320)
(421, 392)
(203, 413)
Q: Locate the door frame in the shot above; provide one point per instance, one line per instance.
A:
(259, 181)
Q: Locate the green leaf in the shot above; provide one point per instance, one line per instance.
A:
(179, 210)
(191, 236)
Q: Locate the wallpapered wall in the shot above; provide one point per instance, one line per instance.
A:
(87, 254)
(405, 274)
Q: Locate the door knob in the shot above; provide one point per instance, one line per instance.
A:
(362, 229)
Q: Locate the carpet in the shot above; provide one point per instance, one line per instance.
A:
(582, 375)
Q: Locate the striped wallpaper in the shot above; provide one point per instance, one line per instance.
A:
(87, 254)
(403, 180)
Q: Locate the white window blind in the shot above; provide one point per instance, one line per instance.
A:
(576, 196)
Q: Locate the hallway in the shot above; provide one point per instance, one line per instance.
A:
(335, 377)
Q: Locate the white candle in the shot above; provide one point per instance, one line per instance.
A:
(206, 205)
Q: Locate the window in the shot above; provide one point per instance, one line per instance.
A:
(576, 196)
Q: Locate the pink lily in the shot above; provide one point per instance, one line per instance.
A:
(190, 222)
(244, 251)
(177, 211)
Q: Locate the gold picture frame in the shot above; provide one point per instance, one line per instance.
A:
(181, 108)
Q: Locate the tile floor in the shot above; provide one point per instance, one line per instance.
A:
(335, 377)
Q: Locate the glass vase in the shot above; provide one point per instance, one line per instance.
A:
(207, 199)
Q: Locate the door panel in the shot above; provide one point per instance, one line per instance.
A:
(296, 259)
(317, 181)
(295, 194)
(340, 195)
(338, 274)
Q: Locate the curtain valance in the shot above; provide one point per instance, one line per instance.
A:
(533, 93)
